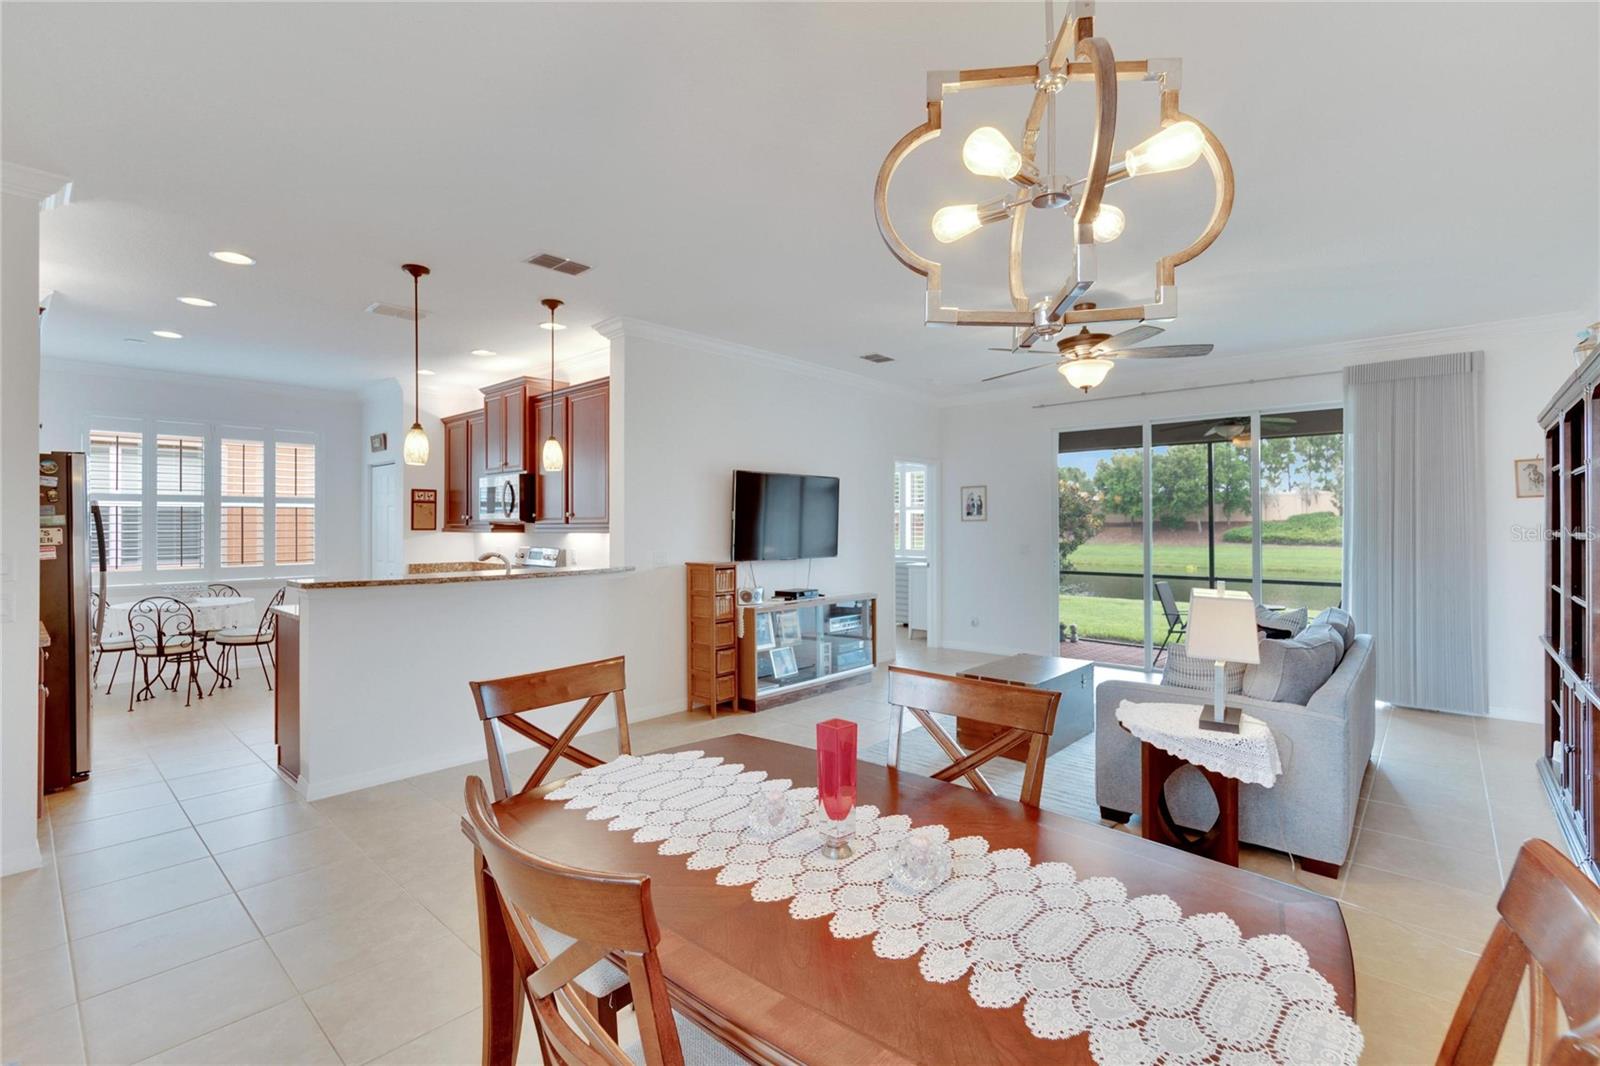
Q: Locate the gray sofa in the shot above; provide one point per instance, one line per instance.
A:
(1325, 747)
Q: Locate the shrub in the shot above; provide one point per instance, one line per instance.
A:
(1319, 528)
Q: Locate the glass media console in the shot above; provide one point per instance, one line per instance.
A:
(794, 648)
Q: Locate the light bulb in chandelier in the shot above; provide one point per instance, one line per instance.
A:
(1175, 147)
(416, 446)
(1109, 224)
(551, 459)
(1087, 372)
(952, 223)
(988, 153)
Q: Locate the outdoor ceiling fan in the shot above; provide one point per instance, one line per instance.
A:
(1086, 358)
(1237, 430)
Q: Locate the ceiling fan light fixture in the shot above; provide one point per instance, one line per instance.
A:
(952, 223)
(1087, 372)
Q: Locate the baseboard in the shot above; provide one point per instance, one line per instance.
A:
(1515, 714)
(21, 859)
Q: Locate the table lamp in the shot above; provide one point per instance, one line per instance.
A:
(1222, 628)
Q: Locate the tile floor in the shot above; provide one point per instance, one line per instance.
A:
(193, 910)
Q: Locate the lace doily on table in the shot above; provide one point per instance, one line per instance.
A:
(1250, 755)
(1145, 982)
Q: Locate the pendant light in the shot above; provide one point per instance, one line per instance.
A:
(551, 459)
(416, 447)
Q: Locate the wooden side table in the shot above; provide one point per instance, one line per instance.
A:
(1221, 841)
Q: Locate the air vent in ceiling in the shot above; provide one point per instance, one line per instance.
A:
(878, 357)
(558, 264)
(392, 310)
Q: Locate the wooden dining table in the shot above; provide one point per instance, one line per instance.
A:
(782, 990)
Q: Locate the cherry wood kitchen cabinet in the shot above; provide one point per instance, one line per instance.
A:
(510, 446)
(459, 490)
(577, 497)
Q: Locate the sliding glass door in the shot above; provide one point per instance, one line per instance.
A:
(1149, 513)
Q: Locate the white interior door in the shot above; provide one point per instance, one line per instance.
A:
(384, 551)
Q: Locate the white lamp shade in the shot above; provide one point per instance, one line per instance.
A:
(551, 459)
(416, 446)
(1222, 626)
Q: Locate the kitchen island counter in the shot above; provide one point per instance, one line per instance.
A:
(454, 577)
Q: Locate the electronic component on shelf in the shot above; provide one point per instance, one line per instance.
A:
(796, 594)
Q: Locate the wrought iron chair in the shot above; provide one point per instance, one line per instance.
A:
(162, 630)
(1177, 626)
(217, 588)
(229, 641)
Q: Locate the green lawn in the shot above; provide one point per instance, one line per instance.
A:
(1282, 562)
(1108, 619)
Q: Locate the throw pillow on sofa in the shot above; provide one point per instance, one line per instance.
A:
(1339, 619)
(1316, 628)
(1290, 671)
(1286, 623)
(1183, 672)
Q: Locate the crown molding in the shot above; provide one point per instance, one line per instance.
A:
(1318, 359)
(624, 327)
(51, 190)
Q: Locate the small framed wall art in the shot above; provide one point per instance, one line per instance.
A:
(425, 509)
(974, 503)
(1530, 477)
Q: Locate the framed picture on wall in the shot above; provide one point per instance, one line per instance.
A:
(425, 509)
(1530, 477)
(974, 503)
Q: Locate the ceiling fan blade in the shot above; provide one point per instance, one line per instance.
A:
(1024, 370)
(1008, 351)
(1219, 431)
(1128, 338)
(1170, 351)
(1277, 420)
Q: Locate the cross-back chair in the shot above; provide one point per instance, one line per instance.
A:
(1549, 928)
(1024, 716)
(503, 701)
(501, 704)
(601, 915)
(162, 630)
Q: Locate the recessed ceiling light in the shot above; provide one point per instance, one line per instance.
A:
(167, 334)
(238, 259)
(197, 301)
(483, 351)
(425, 373)
(555, 326)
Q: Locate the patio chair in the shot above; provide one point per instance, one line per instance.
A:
(1176, 626)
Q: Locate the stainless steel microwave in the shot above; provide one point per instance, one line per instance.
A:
(498, 497)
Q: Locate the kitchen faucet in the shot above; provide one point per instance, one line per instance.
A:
(486, 556)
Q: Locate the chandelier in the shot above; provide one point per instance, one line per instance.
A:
(1073, 54)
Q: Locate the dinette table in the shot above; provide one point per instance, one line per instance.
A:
(783, 990)
(211, 614)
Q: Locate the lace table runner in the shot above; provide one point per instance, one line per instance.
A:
(1250, 755)
(1145, 982)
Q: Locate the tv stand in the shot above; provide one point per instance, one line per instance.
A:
(790, 649)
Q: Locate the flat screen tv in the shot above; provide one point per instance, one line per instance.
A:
(784, 516)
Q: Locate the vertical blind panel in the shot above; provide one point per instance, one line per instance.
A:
(297, 470)
(124, 530)
(243, 463)
(296, 534)
(241, 531)
(180, 465)
(180, 536)
(115, 462)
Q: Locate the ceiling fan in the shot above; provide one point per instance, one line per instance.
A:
(1237, 430)
(1086, 358)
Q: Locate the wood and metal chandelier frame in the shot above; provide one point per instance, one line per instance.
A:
(1074, 55)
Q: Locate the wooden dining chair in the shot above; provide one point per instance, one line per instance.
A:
(1549, 928)
(503, 701)
(601, 915)
(1023, 715)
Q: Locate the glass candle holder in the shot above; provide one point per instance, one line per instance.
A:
(836, 784)
(771, 816)
(920, 863)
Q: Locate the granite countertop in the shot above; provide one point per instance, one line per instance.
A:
(457, 577)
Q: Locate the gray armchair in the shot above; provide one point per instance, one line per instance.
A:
(1325, 747)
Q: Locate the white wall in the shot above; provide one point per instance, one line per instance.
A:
(1002, 573)
(697, 409)
(72, 394)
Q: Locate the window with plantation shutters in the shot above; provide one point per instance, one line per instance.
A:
(180, 501)
(910, 509)
(241, 520)
(116, 483)
(295, 516)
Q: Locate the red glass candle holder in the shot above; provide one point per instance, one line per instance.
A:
(836, 781)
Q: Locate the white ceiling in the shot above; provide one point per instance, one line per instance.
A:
(1400, 167)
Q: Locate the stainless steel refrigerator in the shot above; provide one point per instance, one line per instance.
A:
(67, 521)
